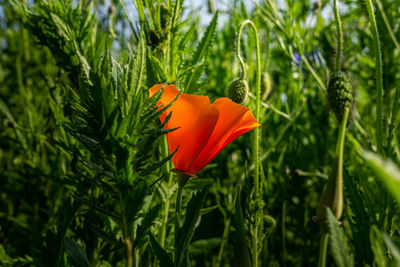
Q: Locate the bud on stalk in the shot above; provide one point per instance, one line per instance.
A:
(238, 90)
(340, 94)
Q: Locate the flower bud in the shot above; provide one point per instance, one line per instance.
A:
(238, 90)
(266, 85)
(340, 94)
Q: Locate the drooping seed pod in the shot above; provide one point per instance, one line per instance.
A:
(238, 90)
(340, 94)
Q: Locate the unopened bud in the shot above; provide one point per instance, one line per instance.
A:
(266, 85)
(340, 94)
(238, 90)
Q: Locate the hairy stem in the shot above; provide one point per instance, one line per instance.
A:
(378, 76)
(339, 33)
(168, 193)
(257, 194)
(125, 234)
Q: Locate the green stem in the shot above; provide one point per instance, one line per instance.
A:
(168, 193)
(178, 216)
(387, 24)
(256, 135)
(337, 179)
(225, 236)
(314, 73)
(378, 76)
(341, 137)
(125, 234)
(323, 248)
(339, 33)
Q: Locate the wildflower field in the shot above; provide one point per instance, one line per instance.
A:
(199, 133)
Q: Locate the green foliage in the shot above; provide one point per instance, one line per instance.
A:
(85, 172)
(338, 242)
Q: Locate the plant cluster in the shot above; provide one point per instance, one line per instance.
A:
(88, 147)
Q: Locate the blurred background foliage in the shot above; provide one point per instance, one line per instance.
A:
(83, 166)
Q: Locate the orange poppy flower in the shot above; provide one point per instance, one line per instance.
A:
(204, 129)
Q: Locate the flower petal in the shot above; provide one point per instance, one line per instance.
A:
(234, 120)
(195, 119)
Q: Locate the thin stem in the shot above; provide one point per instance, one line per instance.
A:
(225, 236)
(337, 205)
(168, 194)
(256, 134)
(339, 33)
(178, 215)
(323, 248)
(313, 73)
(125, 234)
(378, 76)
(387, 24)
(341, 137)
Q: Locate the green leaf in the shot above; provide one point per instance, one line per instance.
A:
(163, 256)
(241, 248)
(185, 233)
(377, 247)
(157, 165)
(87, 141)
(201, 50)
(395, 252)
(387, 171)
(147, 221)
(204, 245)
(359, 218)
(338, 244)
(137, 72)
(75, 252)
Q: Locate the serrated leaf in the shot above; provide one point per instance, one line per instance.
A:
(185, 233)
(90, 143)
(136, 74)
(204, 245)
(75, 252)
(377, 247)
(157, 165)
(387, 171)
(147, 221)
(340, 253)
(395, 252)
(242, 254)
(359, 219)
(163, 256)
(201, 50)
